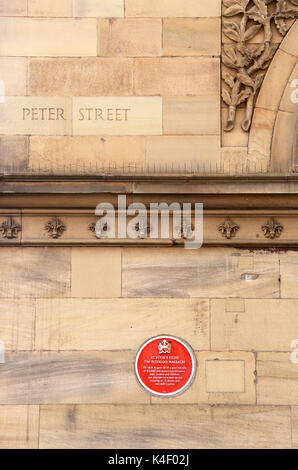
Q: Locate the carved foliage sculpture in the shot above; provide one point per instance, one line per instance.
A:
(55, 228)
(272, 229)
(228, 229)
(10, 228)
(246, 64)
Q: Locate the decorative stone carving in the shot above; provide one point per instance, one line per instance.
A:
(143, 229)
(272, 229)
(228, 229)
(10, 228)
(186, 232)
(101, 229)
(245, 64)
(55, 228)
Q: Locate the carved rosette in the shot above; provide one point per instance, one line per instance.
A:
(272, 229)
(55, 228)
(245, 63)
(10, 228)
(228, 228)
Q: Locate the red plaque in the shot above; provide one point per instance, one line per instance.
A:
(165, 366)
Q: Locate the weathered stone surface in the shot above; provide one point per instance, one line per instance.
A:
(53, 151)
(17, 324)
(208, 272)
(288, 270)
(277, 379)
(81, 77)
(19, 427)
(227, 378)
(13, 8)
(134, 37)
(264, 325)
(34, 272)
(48, 37)
(13, 152)
(178, 151)
(48, 8)
(125, 427)
(70, 377)
(177, 76)
(295, 426)
(13, 75)
(191, 115)
(94, 8)
(117, 324)
(96, 272)
(191, 36)
(176, 8)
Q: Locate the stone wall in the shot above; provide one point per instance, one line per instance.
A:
(72, 320)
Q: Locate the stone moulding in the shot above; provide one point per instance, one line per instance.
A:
(244, 64)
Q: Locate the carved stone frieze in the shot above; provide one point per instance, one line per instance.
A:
(228, 228)
(272, 229)
(101, 230)
(10, 228)
(245, 63)
(55, 228)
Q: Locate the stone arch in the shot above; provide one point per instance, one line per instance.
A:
(274, 124)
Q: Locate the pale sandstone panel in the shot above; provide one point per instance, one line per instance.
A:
(283, 137)
(81, 77)
(175, 8)
(35, 272)
(96, 8)
(86, 149)
(117, 116)
(118, 324)
(19, 427)
(274, 81)
(164, 427)
(289, 43)
(176, 76)
(260, 138)
(178, 151)
(96, 272)
(48, 37)
(288, 270)
(226, 378)
(221, 378)
(13, 8)
(208, 272)
(70, 377)
(295, 426)
(13, 72)
(13, 152)
(191, 115)
(287, 102)
(50, 8)
(135, 37)
(235, 305)
(29, 115)
(17, 324)
(277, 378)
(191, 36)
(264, 325)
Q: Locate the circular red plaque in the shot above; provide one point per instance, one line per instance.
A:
(165, 366)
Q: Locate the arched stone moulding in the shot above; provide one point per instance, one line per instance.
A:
(273, 127)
